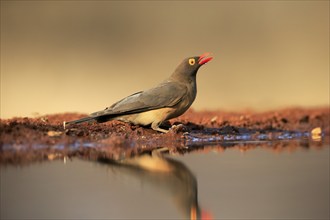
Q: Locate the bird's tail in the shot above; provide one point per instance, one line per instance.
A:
(81, 120)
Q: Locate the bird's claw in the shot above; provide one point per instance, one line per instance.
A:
(177, 128)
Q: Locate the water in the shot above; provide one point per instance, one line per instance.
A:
(231, 184)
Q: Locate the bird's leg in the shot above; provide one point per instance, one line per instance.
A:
(159, 152)
(155, 126)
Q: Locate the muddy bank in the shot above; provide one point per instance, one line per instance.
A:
(44, 138)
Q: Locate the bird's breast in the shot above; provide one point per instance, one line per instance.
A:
(183, 105)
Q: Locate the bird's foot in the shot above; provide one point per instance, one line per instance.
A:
(178, 128)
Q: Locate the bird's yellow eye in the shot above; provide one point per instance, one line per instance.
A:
(191, 61)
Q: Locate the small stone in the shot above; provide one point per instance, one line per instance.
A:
(44, 119)
(304, 119)
(214, 119)
(316, 133)
(80, 133)
(54, 133)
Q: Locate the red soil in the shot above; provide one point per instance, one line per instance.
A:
(44, 138)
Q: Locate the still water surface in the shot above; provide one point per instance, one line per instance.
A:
(229, 185)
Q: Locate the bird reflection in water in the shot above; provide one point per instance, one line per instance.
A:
(170, 176)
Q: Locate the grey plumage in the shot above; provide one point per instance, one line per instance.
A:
(169, 99)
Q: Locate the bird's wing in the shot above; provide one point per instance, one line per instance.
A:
(166, 94)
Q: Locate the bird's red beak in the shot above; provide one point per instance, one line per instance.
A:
(204, 58)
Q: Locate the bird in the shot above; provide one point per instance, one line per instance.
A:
(169, 99)
(169, 176)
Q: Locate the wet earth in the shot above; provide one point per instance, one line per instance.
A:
(26, 140)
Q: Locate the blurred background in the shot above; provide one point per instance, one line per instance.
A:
(82, 56)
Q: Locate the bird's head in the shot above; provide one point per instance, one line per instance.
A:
(188, 67)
